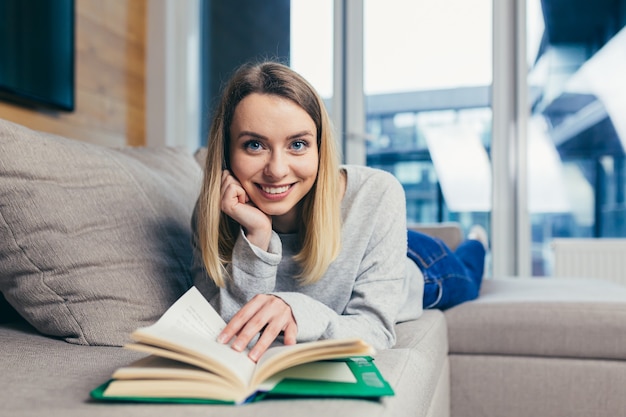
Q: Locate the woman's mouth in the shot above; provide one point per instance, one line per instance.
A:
(275, 190)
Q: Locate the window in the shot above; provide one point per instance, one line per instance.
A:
(576, 132)
(429, 80)
(427, 69)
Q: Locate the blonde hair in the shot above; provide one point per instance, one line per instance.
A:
(320, 232)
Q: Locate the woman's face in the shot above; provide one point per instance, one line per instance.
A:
(274, 155)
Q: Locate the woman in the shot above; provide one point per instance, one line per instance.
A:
(290, 244)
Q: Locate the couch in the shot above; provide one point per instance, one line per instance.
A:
(94, 242)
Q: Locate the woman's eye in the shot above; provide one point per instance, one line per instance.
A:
(253, 145)
(299, 145)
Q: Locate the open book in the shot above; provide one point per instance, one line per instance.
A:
(186, 363)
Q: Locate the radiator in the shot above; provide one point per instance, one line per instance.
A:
(590, 258)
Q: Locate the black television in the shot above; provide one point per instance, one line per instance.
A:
(37, 53)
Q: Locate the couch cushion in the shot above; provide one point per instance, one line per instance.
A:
(94, 242)
(417, 367)
(551, 317)
(524, 386)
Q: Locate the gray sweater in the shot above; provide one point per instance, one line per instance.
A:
(365, 291)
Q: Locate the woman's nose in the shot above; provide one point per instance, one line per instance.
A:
(276, 166)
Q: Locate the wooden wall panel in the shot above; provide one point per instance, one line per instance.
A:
(110, 45)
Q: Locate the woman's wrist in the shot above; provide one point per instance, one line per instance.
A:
(259, 238)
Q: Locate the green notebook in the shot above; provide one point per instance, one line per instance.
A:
(355, 377)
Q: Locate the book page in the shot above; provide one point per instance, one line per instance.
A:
(185, 389)
(315, 371)
(155, 367)
(191, 326)
(192, 313)
(279, 358)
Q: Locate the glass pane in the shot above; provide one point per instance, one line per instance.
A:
(428, 72)
(312, 44)
(577, 131)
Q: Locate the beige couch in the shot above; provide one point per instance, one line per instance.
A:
(94, 242)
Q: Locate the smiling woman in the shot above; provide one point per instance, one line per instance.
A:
(288, 244)
(318, 210)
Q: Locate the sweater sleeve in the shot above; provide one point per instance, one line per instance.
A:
(378, 290)
(251, 272)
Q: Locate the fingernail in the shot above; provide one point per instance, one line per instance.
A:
(253, 355)
(222, 338)
(237, 347)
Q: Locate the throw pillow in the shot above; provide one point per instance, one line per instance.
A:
(94, 241)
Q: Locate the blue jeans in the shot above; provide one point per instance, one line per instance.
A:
(450, 278)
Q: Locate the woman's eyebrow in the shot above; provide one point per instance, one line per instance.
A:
(247, 133)
(301, 134)
(250, 134)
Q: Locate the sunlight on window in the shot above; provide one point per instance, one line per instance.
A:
(312, 43)
(421, 45)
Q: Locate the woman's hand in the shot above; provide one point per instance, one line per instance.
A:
(236, 204)
(266, 314)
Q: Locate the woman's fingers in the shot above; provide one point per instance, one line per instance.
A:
(265, 314)
(290, 333)
(237, 205)
(232, 193)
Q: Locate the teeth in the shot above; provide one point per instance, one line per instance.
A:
(277, 190)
